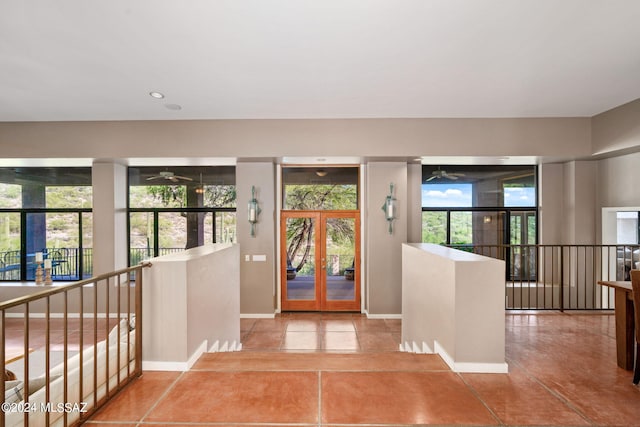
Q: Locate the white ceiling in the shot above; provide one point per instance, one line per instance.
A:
(240, 59)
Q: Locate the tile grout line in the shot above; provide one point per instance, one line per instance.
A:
(475, 393)
(319, 398)
(162, 396)
(554, 393)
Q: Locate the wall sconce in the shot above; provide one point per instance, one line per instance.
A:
(487, 219)
(390, 208)
(253, 211)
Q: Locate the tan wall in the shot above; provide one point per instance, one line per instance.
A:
(384, 255)
(617, 129)
(276, 138)
(257, 278)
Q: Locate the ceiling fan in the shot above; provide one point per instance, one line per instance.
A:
(169, 176)
(438, 174)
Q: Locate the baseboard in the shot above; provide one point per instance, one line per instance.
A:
(470, 367)
(257, 315)
(414, 347)
(218, 347)
(150, 365)
(383, 316)
(164, 366)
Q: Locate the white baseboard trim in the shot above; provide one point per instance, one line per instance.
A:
(483, 368)
(257, 315)
(414, 347)
(226, 346)
(471, 367)
(150, 365)
(383, 316)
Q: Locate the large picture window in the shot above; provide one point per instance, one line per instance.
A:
(47, 210)
(176, 208)
(473, 206)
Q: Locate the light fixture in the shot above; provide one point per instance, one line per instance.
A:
(390, 208)
(253, 211)
(200, 188)
(321, 172)
(156, 95)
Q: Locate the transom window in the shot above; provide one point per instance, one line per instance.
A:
(320, 188)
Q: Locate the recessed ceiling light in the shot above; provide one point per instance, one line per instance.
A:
(322, 160)
(156, 95)
(174, 107)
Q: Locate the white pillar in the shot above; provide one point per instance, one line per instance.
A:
(109, 217)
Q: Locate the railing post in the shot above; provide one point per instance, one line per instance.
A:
(561, 278)
(138, 308)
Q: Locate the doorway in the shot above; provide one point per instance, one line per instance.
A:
(320, 260)
(523, 263)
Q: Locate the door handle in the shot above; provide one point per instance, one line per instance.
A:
(323, 264)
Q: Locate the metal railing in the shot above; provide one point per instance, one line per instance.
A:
(560, 277)
(77, 344)
(67, 264)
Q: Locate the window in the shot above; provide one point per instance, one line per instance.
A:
(175, 208)
(310, 188)
(481, 207)
(628, 231)
(46, 210)
(446, 195)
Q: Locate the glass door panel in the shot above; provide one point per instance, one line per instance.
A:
(10, 246)
(87, 244)
(62, 237)
(300, 289)
(320, 261)
(523, 257)
(172, 232)
(141, 242)
(340, 290)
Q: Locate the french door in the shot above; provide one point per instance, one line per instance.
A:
(320, 260)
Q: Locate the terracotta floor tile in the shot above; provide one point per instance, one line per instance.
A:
(247, 324)
(241, 397)
(343, 341)
(132, 403)
(270, 325)
(519, 400)
(377, 325)
(400, 398)
(378, 341)
(262, 341)
(394, 325)
(301, 341)
(338, 325)
(303, 325)
(277, 361)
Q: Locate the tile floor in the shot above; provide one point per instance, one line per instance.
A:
(345, 370)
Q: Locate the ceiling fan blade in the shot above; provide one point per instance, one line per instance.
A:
(453, 177)
(429, 179)
(151, 178)
(186, 178)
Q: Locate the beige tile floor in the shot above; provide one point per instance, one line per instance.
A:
(345, 370)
